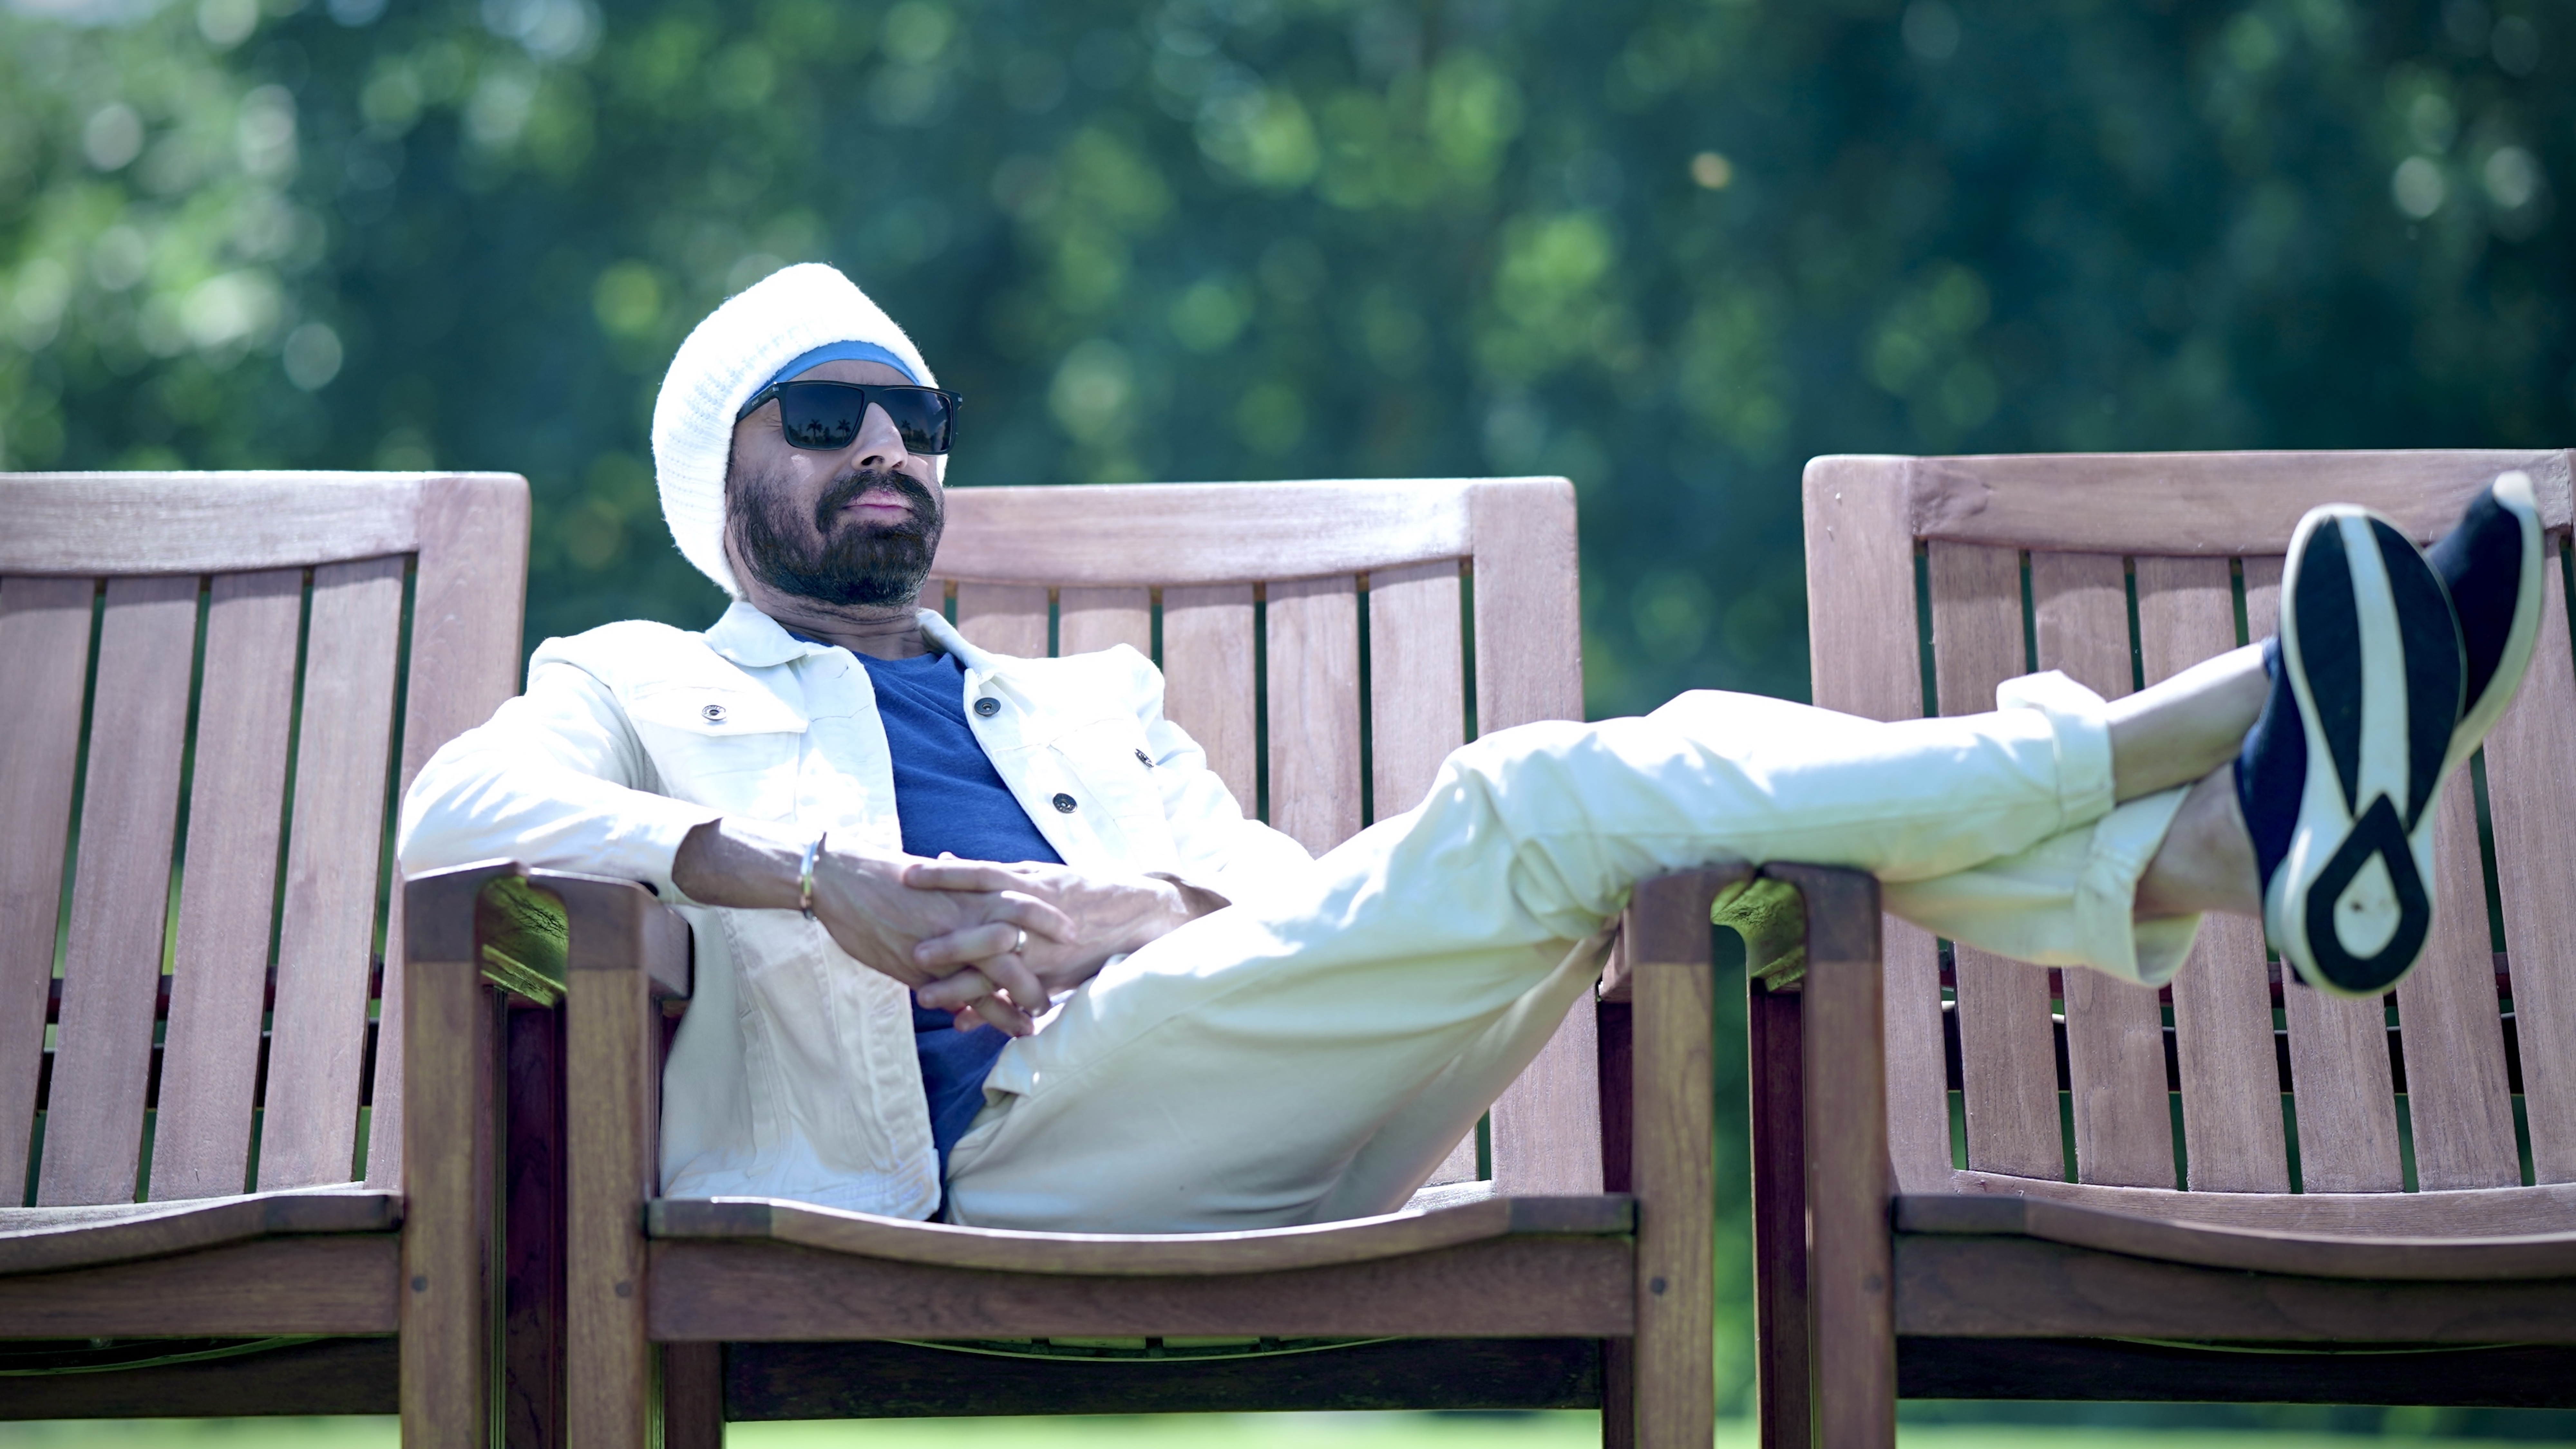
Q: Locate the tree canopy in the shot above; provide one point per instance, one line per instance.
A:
(1669, 248)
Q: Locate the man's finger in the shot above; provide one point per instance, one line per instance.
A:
(968, 945)
(947, 874)
(1035, 916)
(1002, 1014)
(956, 992)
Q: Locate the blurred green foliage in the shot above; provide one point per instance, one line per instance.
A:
(1667, 247)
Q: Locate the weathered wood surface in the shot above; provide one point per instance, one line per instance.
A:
(1202, 533)
(447, 1157)
(2475, 1212)
(202, 523)
(112, 956)
(2256, 1250)
(1417, 681)
(624, 953)
(1093, 619)
(2209, 504)
(1534, 1287)
(2531, 797)
(2012, 1287)
(1359, 1240)
(2538, 1377)
(2222, 999)
(343, 1283)
(44, 655)
(767, 1381)
(327, 1376)
(317, 1039)
(1864, 660)
(50, 1239)
(1004, 618)
(693, 1396)
(1847, 1159)
(2006, 1043)
(2457, 1102)
(1314, 659)
(469, 595)
(2114, 1031)
(1208, 684)
(219, 979)
(1672, 1086)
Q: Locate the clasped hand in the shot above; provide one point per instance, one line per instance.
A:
(989, 943)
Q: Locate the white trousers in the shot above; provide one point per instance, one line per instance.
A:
(1314, 1058)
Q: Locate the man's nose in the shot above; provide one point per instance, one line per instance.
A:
(878, 445)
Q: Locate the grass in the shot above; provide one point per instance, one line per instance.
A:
(1188, 1431)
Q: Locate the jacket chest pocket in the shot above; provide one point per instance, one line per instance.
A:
(1110, 760)
(736, 750)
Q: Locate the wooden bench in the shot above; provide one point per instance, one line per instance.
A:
(1316, 638)
(2252, 1164)
(212, 685)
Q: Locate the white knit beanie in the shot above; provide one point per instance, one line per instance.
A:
(730, 356)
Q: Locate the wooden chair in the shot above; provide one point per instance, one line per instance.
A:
(1562, 1277)
(2129, 1189)
(212, 685)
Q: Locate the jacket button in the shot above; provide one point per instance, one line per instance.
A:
(988, 706)
(714, 713)
(1064, 803)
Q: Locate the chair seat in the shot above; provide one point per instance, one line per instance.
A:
(51, 1239)
(2250, 1249)
(1414, 1229)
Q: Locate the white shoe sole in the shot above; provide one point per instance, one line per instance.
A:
(2372, 655)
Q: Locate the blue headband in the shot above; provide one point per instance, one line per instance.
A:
(838, 352)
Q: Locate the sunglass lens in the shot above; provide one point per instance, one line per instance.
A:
(821, 417)
(920, 416)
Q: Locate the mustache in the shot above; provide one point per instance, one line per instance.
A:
(852, 486)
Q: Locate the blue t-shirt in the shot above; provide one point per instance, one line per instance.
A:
(948, 797)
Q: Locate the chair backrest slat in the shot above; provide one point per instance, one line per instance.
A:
(1313, 645)
(309, 1119)
(2115, 1039)
(120, 890)
(1005, 618)
(2222, 999)
(1417, 681)
(469, 596)
(44, 664)
(1864, 645)
(2457, 1101)
(237, 790)
(1209, 684)
(2531, 795)
(1095, 619)
(2343, 1093)
(2006, 1040)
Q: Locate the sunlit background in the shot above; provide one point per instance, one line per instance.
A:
(1668, 248)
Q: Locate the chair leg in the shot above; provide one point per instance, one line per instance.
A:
(1782, 1390)
(446, 1386)
(1851, 1277)
(693, 1396)
(610, 1028)
(532, 1291)
(1618, 1393)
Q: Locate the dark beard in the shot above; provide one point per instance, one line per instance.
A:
(856, 563)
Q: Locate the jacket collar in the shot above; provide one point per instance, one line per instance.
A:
(754, 640)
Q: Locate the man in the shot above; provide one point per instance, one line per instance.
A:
(985, 936)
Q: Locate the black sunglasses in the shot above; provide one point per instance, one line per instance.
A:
(826, 416)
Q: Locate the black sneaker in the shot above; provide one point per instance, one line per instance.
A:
(2490, 564)
(2367, 683)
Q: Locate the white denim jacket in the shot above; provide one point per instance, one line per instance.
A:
(794, 1073)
